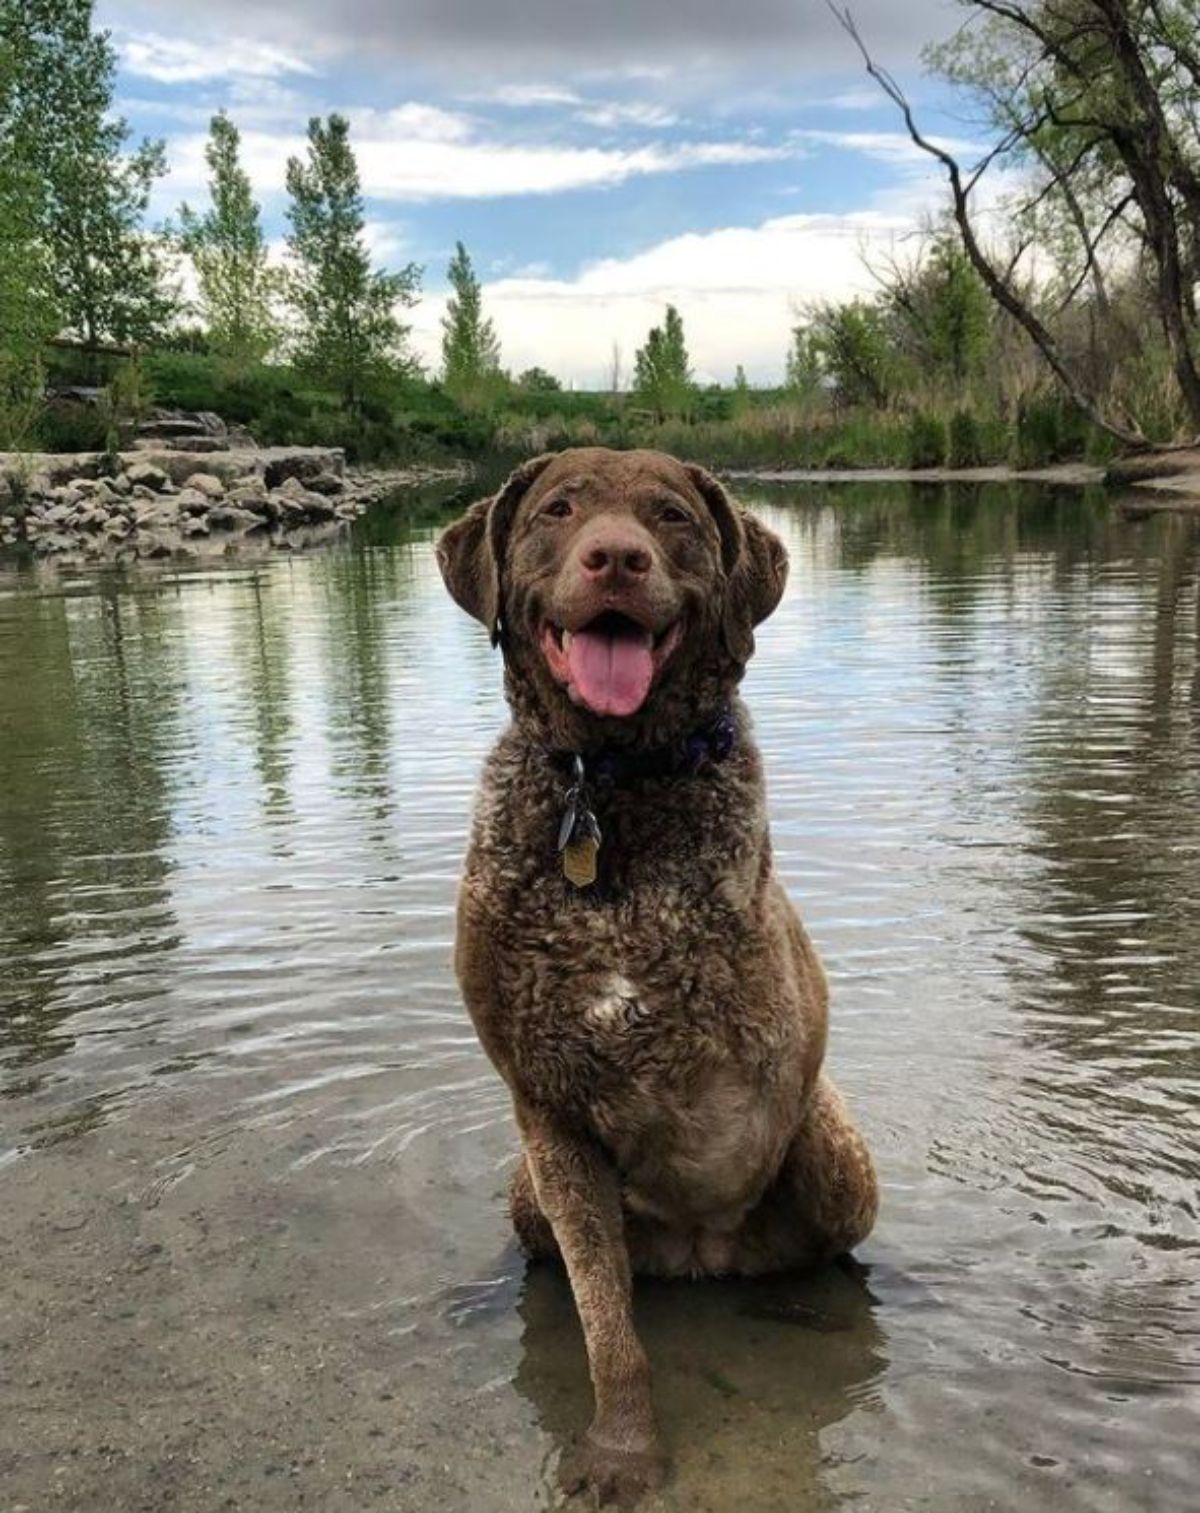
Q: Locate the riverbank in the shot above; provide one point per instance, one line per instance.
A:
(169, 502)
(1164, 480)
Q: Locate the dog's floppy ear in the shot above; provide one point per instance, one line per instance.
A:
(471, 552)
(755, 561)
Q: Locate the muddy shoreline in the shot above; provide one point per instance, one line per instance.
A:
(1164, 481)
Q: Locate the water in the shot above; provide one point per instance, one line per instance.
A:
(252, 1160)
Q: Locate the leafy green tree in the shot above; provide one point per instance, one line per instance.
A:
(538, 381)
(662, 374)
(942, 315)
(348, 331)
(960, 313)
(28, 313)
(227, 248)
(470, 348)
(855, 350)
(803, 369)
(110, 278)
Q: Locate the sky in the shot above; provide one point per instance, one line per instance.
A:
(598, 160)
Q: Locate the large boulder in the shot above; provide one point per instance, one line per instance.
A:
(207, 484)
(228, 517)
(326, 483)
(193, 502)
(146, 475)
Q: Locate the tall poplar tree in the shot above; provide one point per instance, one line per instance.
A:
(229, 253)
(470, 349)
(110, 277)
(28, 313)
(662, 375)
(348, 331)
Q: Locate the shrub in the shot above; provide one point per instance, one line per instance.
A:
(966, 441)
(927, 442)
(1038, 439)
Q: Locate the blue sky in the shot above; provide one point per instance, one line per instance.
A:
(598, 161)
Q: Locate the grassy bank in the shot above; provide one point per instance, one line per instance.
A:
(411, 420)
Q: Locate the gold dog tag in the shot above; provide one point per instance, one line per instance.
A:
(579, 861)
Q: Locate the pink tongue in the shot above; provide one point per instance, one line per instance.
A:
(611, 673)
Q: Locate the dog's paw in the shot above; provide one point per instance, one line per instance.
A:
(612, 1476)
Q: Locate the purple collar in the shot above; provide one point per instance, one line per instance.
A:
(706, 747)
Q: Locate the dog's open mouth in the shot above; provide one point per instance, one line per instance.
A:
(608, 665)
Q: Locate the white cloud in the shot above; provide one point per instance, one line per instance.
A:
(737, 288)
(865, 98)
(170, 60)
(527, 96)
(896, 148)
(411, 122)
(418, 152)
(619, 113)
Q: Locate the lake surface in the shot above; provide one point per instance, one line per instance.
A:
(252, 1237)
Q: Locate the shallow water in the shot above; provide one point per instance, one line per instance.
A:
(252, 1160)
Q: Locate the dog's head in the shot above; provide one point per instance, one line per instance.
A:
(624, 588)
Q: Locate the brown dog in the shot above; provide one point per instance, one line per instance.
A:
(632, 964)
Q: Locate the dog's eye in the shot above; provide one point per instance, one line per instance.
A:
(671, 514)
(560, 509)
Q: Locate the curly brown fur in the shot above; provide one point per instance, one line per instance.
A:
(663, 1032)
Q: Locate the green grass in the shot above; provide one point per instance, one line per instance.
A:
(410, 420)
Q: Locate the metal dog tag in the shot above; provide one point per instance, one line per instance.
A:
(579, 861)
(579, 833)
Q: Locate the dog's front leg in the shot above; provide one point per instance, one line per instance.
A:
(578, 1193)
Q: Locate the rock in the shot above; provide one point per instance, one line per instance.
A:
(207, 484)
(195, 525)
(294, 504)
(250, 493)
(326, 483)
(118, 527)
(201, 444)
(151, 545)
(59, 513)
(228, 517)
(298, 467)
(147, 476)
(193, 502)
(105, 492)
(155, 511)
(122, 483)
(51, 543)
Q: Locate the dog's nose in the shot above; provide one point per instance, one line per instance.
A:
(613, 557)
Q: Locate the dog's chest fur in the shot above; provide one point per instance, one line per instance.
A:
(667, 1012)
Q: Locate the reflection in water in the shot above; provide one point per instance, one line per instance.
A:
(747, 1376)
(232, 807)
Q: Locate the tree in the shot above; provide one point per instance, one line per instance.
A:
(226, 245)
(1096, 100)
(942, 314)
(348, 332)
(470, 349)
(109, 276)
(28, 313)
(538, 381)
(662, 376)
(855, 350)
(804, 371)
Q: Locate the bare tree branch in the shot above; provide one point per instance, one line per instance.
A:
(1130, 434)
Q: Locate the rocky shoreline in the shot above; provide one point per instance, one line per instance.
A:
(148, 504)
